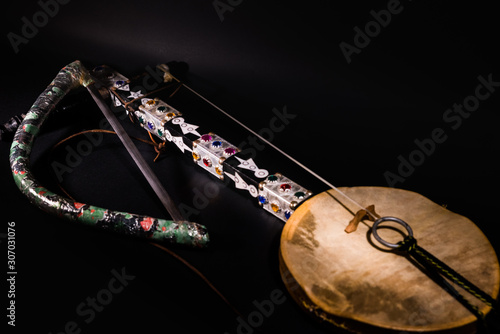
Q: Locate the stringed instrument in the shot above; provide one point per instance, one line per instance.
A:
(340, 252)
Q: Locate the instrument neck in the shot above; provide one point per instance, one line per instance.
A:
(150, 107)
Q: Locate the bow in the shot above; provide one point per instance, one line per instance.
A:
(69, 78)
(275, 193)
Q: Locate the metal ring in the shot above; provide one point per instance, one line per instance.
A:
(393, 219)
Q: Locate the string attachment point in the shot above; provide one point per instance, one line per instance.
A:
(363, 214)
(393, 219)
(437, 269)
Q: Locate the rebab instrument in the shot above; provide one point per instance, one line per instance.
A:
(348, 256)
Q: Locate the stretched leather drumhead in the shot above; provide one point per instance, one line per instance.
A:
(352, 281)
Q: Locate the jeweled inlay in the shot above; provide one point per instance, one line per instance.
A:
(299, 194)
(272, 178)
(283, 195)
(217, 144)
(285, 187)
(275, 207)
(207, 162)
(206, 138)
(229, 151)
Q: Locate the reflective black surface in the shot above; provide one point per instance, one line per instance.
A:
(381, 119)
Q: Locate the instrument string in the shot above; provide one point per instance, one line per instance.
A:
(301, 165)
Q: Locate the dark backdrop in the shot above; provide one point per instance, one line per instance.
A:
(353, 120)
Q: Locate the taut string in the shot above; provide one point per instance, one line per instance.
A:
(304, 167)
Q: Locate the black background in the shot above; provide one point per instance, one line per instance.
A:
(352, 122)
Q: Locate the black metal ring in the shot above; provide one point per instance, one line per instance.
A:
(393, 219)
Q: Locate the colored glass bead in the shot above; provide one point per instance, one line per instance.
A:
(262, 199)
(285, 187)
(206, 138)
(272, 178)
(207, 162)
(170, 114)
(288, 213)
(120, 83)
(300, 194)
(217, 144)
(151, 126)
(150, 103)
(160, 132)
(141, 120)
(275, 207)
(218, 170)
(161, 109)
(196, 156)
(229, 151)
